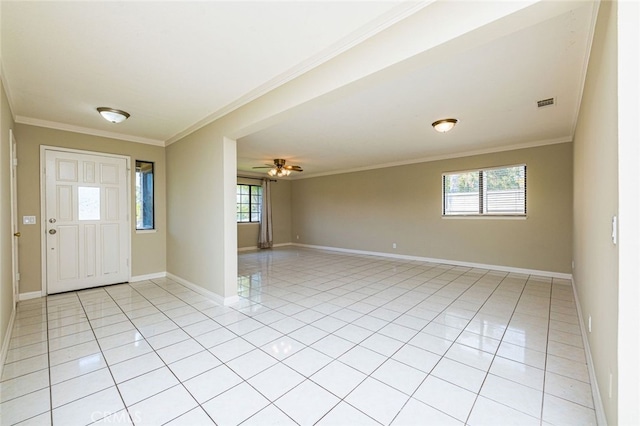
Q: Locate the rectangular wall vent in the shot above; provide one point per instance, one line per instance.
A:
(546, 102)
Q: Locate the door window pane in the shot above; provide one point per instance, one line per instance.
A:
(88, 203)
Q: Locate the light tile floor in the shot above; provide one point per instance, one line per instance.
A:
(317, 338)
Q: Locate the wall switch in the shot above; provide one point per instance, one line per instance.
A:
(297, 237)
(614, 230)
(28, 220)
(589, 326)
(394, 245)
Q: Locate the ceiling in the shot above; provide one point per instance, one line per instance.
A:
(177, 65)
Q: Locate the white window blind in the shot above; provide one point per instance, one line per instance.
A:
(495, 191)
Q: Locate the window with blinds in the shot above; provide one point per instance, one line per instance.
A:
(499, 191)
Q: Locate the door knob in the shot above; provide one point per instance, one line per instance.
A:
(52, 231)
(17, 234)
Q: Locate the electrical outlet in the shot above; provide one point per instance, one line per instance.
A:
(28, 220)
(589, 323)
(297, 237)
(394, 245)
(573, 264)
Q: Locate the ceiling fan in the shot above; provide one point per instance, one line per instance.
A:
(279, 168)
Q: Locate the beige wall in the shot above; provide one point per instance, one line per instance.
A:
(6, 284)
(595, 203)
(281, 211)
(373, 209)
(148, 249)
(197, 211)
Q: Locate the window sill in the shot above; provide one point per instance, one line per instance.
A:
(248, 223)
(483, 216)
(146, 231)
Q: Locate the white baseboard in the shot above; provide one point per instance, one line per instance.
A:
(146, 277)
(7, 338)
(444, 261)
(30, 295)
(207, 293)
(282, 245)
(595, 390)
(240, 249)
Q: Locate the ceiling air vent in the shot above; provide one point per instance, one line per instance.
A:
(546, 102)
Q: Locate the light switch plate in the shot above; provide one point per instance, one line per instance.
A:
(28, 220)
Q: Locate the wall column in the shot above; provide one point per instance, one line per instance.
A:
(230, 239)
(629, 213)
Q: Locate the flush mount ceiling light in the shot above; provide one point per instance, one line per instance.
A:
(443, 126)
(113, 115)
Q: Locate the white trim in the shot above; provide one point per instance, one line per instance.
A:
(484, 216)
(585, 66)
(445, 262)
(7, 339)
(534, 144)
(7, 91)
(30, 295)
(145, 277)
(256, 247)
(247, 248)
(282, 245)
(146, 231)
(15, 225)
(595, 390)
(86, 131)
(225, 301)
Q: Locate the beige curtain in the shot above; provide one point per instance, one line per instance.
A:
(265, 237)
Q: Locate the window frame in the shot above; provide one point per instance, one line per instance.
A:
(152, 195)
(481, 201)
(250, 221)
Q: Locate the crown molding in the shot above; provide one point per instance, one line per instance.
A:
(493, 150)
(7, 92)
(85, 130)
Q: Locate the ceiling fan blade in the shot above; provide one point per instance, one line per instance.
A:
(263, 167)
(294, 168)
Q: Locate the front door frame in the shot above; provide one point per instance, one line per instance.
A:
(15, 226)
(43, 197)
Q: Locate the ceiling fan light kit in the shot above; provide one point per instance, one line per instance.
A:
(279, 168)
(444, 125)
(278, 172)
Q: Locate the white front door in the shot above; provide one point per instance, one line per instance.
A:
(86, 220)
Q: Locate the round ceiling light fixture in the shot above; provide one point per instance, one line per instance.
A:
(113, 115)
(444, 125)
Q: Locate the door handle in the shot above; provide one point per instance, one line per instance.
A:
(17, 234)
(52, 231)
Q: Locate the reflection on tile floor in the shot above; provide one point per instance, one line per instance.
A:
(317, 337)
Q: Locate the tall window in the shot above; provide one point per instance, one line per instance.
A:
(144, 195)
(500, 191)
(248, 203)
